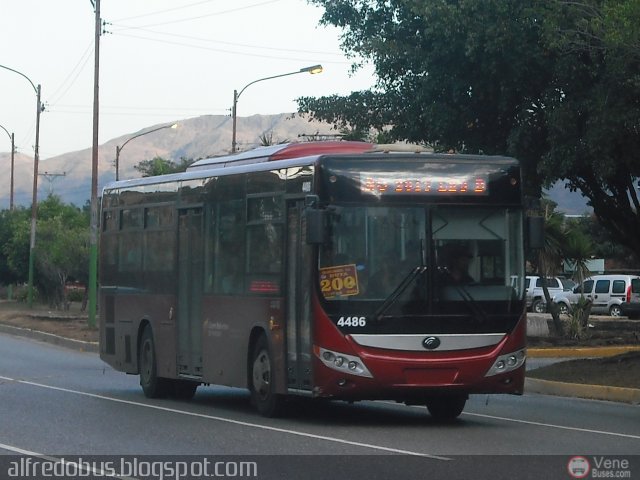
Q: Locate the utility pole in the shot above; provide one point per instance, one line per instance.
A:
(13, 152)
(50, 177)
(93, 236)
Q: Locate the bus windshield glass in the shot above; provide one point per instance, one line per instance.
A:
(422, 259)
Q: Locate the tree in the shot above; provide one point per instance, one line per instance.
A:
(62, 249)
(160, 166)
(605, 245)
(14, 245)
(554, 83)
(594, 109)
(462, 75)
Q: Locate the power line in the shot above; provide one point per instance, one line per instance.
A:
(79, 66)
(232, 44)
(231, 52)
(158, 12)
(211, 14)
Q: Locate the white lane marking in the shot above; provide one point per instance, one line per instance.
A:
(21, 451)
(235, 422)
(539, 424)
(79, 466)
(551, 425)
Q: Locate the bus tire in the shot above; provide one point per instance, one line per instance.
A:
(152, 385)
(262, 380)
(447, 407)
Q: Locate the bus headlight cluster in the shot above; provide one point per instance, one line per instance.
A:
(343, 362)
(507, 363)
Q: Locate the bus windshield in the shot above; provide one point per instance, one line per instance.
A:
(419, 257)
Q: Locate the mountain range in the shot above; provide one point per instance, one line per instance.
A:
(69, 175)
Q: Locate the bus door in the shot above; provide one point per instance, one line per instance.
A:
(190, 273)
(298, 295)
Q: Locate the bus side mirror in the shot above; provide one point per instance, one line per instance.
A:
(316, 226)
(535, 232)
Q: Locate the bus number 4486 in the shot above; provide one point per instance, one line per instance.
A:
(352, 322)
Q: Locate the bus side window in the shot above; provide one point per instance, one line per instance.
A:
(228, 272)
(265, 219)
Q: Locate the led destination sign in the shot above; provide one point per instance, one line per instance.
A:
(382, 183)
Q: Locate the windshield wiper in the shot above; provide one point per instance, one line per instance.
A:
(399, 290)
(471, 302)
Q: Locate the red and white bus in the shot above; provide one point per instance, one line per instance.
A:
(321, 269)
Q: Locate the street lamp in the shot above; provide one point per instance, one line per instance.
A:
(312, 70)
(119, 149)
(13, 151)
(34, 202)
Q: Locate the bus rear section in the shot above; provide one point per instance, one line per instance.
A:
(327, 276)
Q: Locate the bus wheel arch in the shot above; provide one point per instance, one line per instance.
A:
(152, 385)
(262, 376)
(144, 324)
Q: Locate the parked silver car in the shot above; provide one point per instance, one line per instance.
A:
(608, 294)
(535, 295)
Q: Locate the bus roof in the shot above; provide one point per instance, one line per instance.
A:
(281, 152)
(293, 154)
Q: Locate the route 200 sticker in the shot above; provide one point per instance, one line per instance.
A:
(339, 281)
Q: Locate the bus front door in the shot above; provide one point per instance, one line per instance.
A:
(190, 272)
(298, 294)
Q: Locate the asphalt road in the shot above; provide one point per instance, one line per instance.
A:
(56, 402)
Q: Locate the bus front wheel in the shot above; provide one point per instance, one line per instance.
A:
(152, 385)
(446, 408)
(262, 381)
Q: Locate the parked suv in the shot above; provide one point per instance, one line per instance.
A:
(608, 294)
(535, 295)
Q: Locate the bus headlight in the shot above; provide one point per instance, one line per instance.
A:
(507, 363)
(342, 362)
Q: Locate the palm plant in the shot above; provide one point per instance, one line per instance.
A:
(577, 251)
(550, 257)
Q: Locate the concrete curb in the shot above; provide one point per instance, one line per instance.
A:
(594, 392)
(581, 352)
(92, 347)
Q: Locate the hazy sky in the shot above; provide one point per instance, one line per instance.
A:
(160, 61)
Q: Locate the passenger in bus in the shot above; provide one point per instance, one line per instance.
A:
(456, 265)
(382, 282)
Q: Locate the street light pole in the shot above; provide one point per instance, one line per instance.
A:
(13, 151)
(236, 96)
(34, 201)
(119, 148)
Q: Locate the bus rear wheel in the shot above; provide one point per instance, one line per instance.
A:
(262, 381)
(152, 385)
(446, 407)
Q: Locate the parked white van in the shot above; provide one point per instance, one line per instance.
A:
(606, 292)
